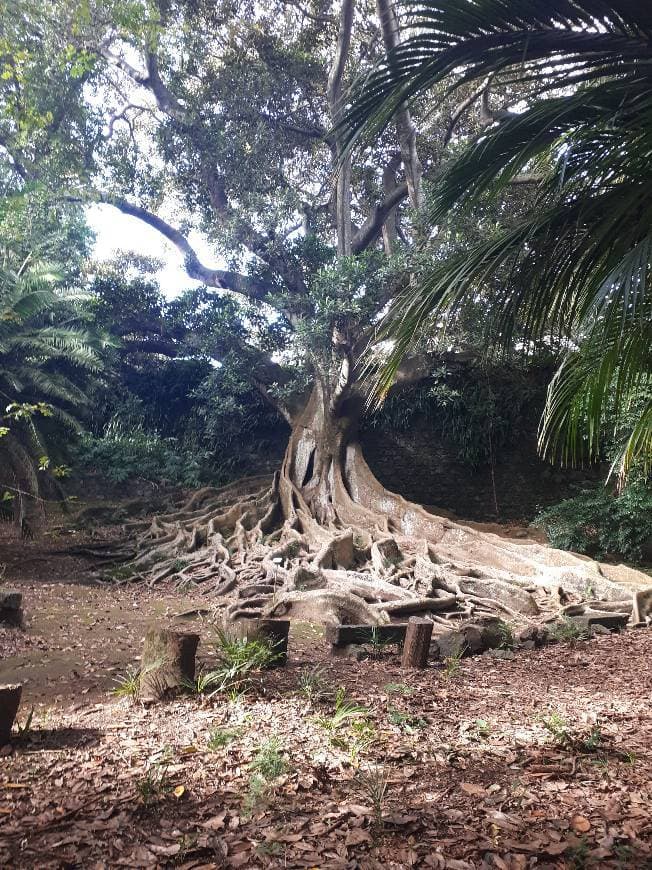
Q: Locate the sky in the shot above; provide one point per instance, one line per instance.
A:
(115, 231)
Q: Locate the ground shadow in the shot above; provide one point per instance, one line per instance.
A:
(41, 739)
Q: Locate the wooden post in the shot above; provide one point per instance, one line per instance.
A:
(11, 612)
(275, 632)
(417, 643)
(167, 664)
(9, 703)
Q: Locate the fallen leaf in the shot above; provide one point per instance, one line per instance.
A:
(179, 791)
(473, 789)
(580, 824)
(357, 836)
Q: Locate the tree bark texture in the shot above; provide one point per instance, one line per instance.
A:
(167, 664)
(416, 645)
(9, 703)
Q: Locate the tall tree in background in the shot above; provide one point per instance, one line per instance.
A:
(216, 117)
(576, 268)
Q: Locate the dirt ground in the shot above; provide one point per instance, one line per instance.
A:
(538, 759)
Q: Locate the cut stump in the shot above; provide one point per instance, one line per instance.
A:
(168, 663)
(11, 612)
(9, 703)
(417, 643)
(275, 632)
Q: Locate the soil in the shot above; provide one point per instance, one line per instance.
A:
(540, 759)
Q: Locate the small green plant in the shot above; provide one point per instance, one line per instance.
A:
(257, 789)
(239, 658)
(155, 783)
(507, 639)
(266, 765)
(398, 689)
(566, 630)
(373, 784)
(376, 646)
(558, 729)
(578, 855)
(481, 729)
(453, 663)
(405, 721)
(219, 738)
(594, 741)
(273, 849)
(312, 684)
(363, 735)
(268, 761)
(345, 711)
(127, 684)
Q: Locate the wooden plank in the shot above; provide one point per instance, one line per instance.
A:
(344, 635)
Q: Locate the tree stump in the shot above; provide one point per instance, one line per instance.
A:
(9, 703)
(417, 643)
(275, 632)
(168, 663)
(11, 608)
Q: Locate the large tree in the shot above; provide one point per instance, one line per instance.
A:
(218, 117)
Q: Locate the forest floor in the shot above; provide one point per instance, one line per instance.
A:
(540, 759)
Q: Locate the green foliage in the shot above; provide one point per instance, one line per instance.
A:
(567, 630)
(267, 765)
(47, 358)
(125, 453)
(480, 411)
(219, 738)
(453, 664)
(507, 639)
(373, 785)
(155, 784)
(127, 685)
(312, 684)
(268, 760)
(345, 711)
(405, 721)
(239, 659)
(574, 270)
(599, 522)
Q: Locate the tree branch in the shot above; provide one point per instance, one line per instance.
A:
(219, 278)
(373, 225)
(334, 94)
(405, 129)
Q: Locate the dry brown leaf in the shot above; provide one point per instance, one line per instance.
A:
(473, 789)
(357, 836)
(580, 824)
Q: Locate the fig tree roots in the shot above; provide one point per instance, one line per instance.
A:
(347, 551)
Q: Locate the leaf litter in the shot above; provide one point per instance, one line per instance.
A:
(536, 761)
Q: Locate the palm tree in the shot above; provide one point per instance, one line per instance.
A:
(575, 267)
(46, 356)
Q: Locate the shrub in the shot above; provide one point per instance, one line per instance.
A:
(124, 452)
(599, 522)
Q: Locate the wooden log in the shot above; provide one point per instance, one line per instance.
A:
(417, 643)
(345, 635)
(167, 664)
(275, 632)
(9, 703)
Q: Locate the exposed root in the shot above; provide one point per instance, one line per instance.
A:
(260, 551)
